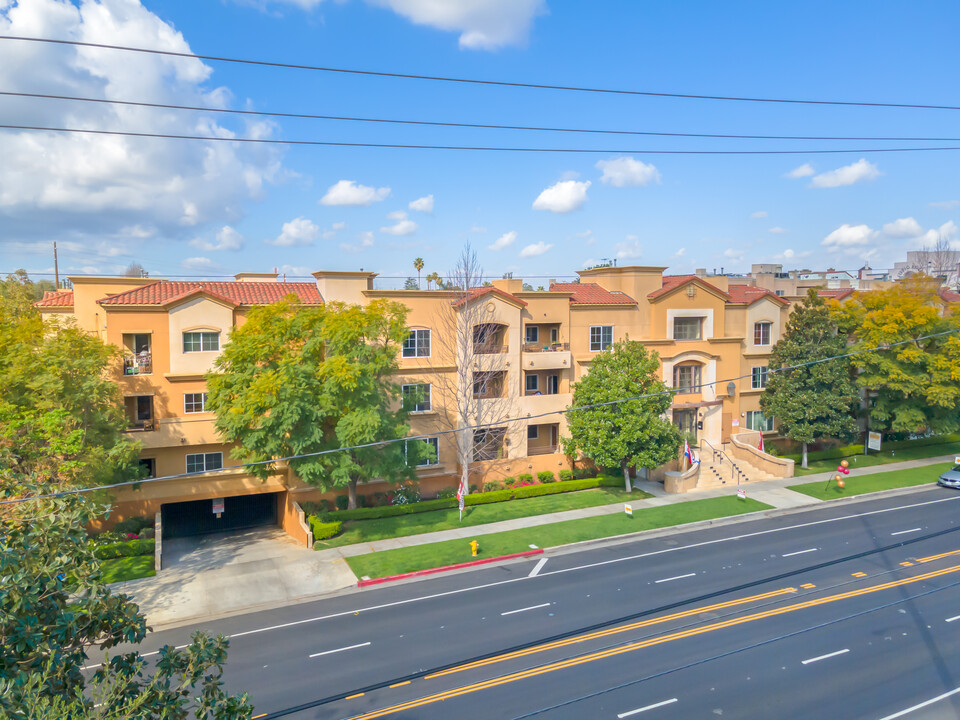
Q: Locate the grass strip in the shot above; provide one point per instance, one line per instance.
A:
(421, 557)
(859, 485)
(883, 457)
(357, 531)
(127, 568)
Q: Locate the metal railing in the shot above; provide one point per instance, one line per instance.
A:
(546, 347)
(139, 364)
(542, 450)
(719, 457)
(489, 348)
(142, 425)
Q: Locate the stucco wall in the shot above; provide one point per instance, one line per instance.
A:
(197, 315)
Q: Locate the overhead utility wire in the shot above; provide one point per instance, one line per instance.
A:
(329, 143)
(481, 126)
(475, 81)
(479, 426)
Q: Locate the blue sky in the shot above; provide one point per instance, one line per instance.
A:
(206, 209)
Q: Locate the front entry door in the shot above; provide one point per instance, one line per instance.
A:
(686, 421)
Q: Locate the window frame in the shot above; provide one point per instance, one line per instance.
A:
(416, 349)
(759, 375)
(526, 382)
(768, 421)
(204, 335)
(203, 403)
(696, 383)
(758, 328)
(536, 334)
(435, 441)
(533, 432)
(601, 344)
(683, 319)
(205, 457)
(428, 395)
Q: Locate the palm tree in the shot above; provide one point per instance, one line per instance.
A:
(434, 277)
(418, 266)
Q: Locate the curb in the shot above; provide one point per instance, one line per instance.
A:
(445, 568)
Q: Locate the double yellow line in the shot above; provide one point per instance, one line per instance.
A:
(650, 642)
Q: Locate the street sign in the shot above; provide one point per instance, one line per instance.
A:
(628, 509)
(218, 506)
(873, 440)
(741, 493)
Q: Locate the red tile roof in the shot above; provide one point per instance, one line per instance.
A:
(749, 294)
(163, 292)
(52, 298)
(948, 295)
(835, 293)
(672, 282)
(478, 292)
(592, 294)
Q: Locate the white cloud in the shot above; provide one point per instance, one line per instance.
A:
(227, 239)
(535, 249)
(903, 228)
(626, 171)
(68, 185)
(946, 204)
(790, 254)
(733, 253)
(295, 270)
(299, 231)
(137, 231)
(847, 175)
(349, 193)
(347, 247)
(562, 197)
(680, 253)
(477, 229)
(482, 24)
(629, 249)
(778, 230)
(402, 226)
(946, 232)
(503, 241)
(338, 226)
(197, 263)
(424, 204)
(759, 214)
(805, 170)
(847, 236)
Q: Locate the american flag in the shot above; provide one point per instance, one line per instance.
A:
(687, 452)
(760, 446)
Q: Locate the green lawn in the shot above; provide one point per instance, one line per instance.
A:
(858, 485)
(356, 531)
(393, 562)
(883, 457)
(127, 568)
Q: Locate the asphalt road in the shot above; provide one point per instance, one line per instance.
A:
(846, 611)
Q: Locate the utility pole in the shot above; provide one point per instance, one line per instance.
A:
(56, 267)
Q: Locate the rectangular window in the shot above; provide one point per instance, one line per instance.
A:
(488, 444)
(761, 333)
(147, 467)
(686, 378)
(487, 385)
(757, 421)
(533, 432)
(779, 293)
(688, 328)
(601, 337)
(758, 378)
(204, 462)
(532, 383)
(433, 456)
(194, 402)
(417, 344)
(533, 334)
(416, 398)
(201, 342)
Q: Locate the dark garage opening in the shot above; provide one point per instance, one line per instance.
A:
(197, 517)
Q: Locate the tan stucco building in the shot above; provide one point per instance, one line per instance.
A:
(528, 349)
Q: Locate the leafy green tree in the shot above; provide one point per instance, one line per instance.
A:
(418, 266)
(434, 277)
(917, 384)
(630, 433)
(817, 400)
(295, 380)
(18, 293)
(411, 284)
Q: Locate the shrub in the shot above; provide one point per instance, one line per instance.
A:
(546, 477)
(447, 492)
(129, 548)
(525, 479)
(495, 484)
(324, 530)
(341, 502)
(566, 475)
(133, 525)
(405, 494)
(585, 472)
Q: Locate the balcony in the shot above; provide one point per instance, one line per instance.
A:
(546, 357)
(489, 348)
(542, 449)
(537, 404)
(550, 347)
(140, 364)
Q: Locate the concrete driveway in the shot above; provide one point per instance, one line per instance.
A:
(216, 575)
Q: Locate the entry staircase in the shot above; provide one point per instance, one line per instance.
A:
(718, 469)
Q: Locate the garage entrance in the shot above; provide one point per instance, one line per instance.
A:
(201, 517)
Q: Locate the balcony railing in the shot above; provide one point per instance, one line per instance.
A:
(139, 364)
(549, 347)
(530, 393)
(489, 348)
(542, 450)
(142, 426)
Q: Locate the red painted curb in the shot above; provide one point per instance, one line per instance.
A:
(430, 571)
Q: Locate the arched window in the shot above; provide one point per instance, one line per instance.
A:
(686, 377)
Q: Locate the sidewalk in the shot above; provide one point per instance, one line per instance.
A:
(181, 595)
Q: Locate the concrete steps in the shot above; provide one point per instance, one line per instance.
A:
(715, 475)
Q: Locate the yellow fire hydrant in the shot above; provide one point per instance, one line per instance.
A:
(474, 546)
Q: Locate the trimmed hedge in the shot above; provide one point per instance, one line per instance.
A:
(129, 548)
(323, 530)
(843, 451)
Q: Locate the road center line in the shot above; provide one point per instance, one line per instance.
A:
(799, 552)
(648, 707)
(330, 652)
(955, 617)
(538, 567)
(924, 704)
(824, 657)
(678, 577)
(903, 532)
(532, 607)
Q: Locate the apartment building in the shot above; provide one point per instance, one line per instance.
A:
(514, 354)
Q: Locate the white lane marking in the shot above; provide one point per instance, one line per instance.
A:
(824, 657)
(349, 647)
(532, 607)
(799, 552)
(639, 556)
(931, 701)
(678, 577)
(538, 567)
(648, 707)
(903, 532)
(955, 617)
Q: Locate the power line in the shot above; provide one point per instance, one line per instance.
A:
(401, 146)
(482, 126)
(479, 426)
(475, 81)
